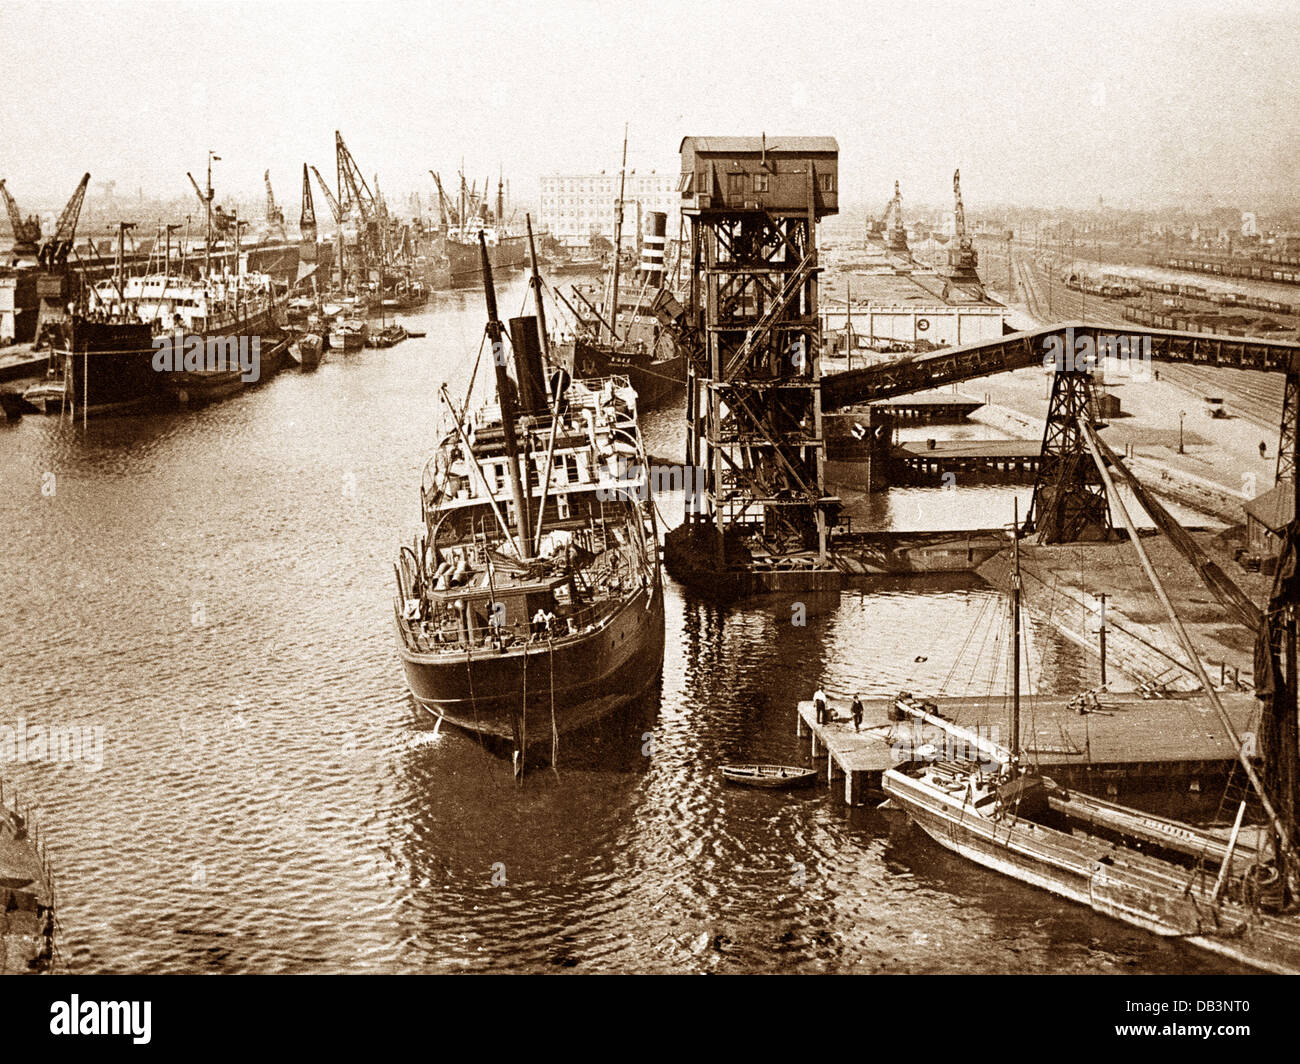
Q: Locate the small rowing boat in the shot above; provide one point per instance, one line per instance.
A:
(769, 775)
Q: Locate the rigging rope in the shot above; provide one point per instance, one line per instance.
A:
(555, 734)
(961, 650)
(469, 392)
(478, 726)
(521, 735)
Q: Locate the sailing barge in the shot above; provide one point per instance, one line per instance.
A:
(1227, 896)
(533, 602)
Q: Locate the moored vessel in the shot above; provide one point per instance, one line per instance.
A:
(157, 339)
(348, 333)
(1220, 892)
(532, 603)
(310, 349)
(770, 777)
(637, 331)
(386, 336)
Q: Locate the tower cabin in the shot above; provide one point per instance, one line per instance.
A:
(780, 175)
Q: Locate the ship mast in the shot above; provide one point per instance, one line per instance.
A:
(538, 304)
(618, 239)
(1015, 632)
(1277, 686)
(1282, 828)
(506, 400)
(207, 240)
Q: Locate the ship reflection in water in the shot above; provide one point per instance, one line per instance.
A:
(213, 588)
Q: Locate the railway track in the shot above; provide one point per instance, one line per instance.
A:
(1254, 397)
(1256, 401)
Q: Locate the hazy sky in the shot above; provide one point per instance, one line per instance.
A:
(1037, 102)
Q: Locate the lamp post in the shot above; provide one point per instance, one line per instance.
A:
(1101, 632)
(1181, 414)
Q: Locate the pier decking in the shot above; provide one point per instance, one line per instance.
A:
(1171, 742)
(1008, 457)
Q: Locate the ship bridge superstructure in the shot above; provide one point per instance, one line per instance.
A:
(170, 302)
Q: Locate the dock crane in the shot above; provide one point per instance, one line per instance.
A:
(962, 256)
(446, 209)
(27, 234)
(221, 221)
(52, 287)
(339, 236)
(354, 193)
(381, 215)
(335, 209)
(895, 234)
(53, 253)
(354, 196)
(274, 213)
(307, 219)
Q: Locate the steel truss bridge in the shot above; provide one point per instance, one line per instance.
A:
(1069, 497)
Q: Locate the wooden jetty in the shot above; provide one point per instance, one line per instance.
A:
(1127, 741)
(934, 457)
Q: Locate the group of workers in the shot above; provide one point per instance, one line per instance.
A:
(824, 714)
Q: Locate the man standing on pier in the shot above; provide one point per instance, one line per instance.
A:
(819, 704)
(856, 709)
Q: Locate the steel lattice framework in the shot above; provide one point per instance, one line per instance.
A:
(1067, 504)
(1020, 350)
(1286, 444)
(753, 389)
(1069, 501)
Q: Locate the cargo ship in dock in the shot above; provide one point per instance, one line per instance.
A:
(457, 247)
(532, 603)
(641, 339)
(506, 251)
(158, 339)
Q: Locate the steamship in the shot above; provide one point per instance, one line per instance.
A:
(506, 251)
(473, 218)
(532, 603)
(641, 342)
(105, 358)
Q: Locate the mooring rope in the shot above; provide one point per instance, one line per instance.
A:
(469, 672)
(522, 737)
(555, 735)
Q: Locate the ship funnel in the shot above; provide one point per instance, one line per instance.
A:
(652, 247)
(528, 365)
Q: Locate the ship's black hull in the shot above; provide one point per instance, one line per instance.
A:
(572, 681)
(108, 367)
(465, 266)
(656, 382)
